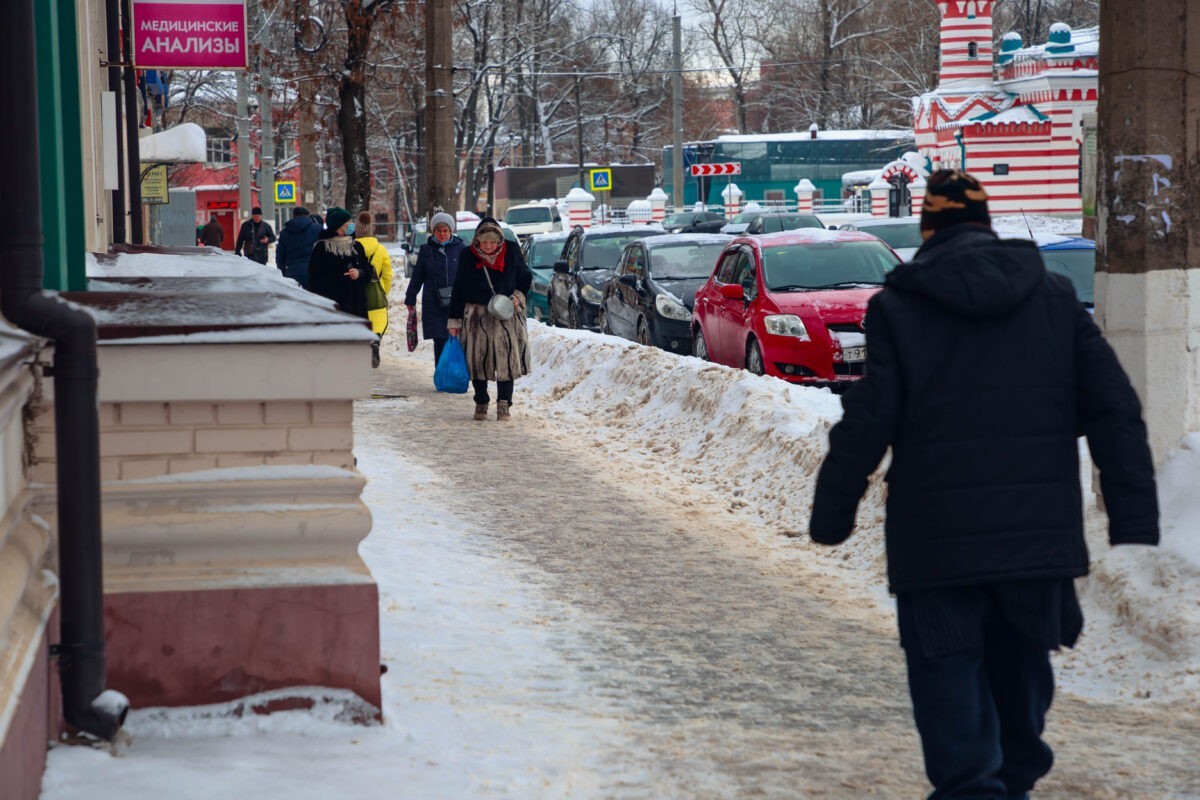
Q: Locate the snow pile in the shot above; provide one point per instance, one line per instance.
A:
(758, 442)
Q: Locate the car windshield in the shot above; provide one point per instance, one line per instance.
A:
(908, 235)
(791, 222)
(677, 220)
(746, 216)
(684, 260)
(1078, 266)
(544, 254)
(825, 265)
(604, 250)
(523, 216)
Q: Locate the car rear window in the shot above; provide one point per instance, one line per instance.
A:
(522, 216)
(684, 260)
(544, 254)
(820, 265)
(1078, 266)
(604, 250)
(896, 235)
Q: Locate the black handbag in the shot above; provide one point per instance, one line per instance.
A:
(444, 293)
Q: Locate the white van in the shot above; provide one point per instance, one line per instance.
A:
(532, 218)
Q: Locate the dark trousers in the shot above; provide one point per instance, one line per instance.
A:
(438, 346)
(504, 390)
(980, 712)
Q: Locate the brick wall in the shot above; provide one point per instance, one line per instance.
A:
(149, 439)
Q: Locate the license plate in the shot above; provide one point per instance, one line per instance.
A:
(850, 354)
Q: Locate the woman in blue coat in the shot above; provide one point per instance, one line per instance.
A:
(437, 264)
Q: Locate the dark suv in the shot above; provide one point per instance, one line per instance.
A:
(694, 222)
(588, 259)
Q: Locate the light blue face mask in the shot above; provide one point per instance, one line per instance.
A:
(349, 228)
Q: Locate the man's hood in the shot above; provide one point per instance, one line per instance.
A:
(298, 224)
(969, 270)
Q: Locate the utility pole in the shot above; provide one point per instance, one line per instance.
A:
(244, 155)
(266, 182)
(308, 144)
(579, 134)
(440, 173)
(1147, 219)
(677, 113)
(113, 46)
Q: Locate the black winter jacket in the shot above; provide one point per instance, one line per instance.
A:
(295, 247)
(436, 266)
(982, 371)
(471, 286)
(332, 257)
(248, 243)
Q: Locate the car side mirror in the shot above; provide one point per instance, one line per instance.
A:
(733, 291)
(835, 227)
(629, 279)
(562, 267)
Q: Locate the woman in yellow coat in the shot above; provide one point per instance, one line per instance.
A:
(377, 254)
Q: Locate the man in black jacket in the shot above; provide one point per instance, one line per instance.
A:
(255, 237)
(982, 370)
(295, 245)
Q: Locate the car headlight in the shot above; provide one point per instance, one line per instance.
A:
(669, 308)
(591, 294)
(786, 325)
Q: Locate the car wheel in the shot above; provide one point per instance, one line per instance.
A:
(643, 332)
(573, 317)
(700, 346)
(754, 358)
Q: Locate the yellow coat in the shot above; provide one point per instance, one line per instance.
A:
(377, 254)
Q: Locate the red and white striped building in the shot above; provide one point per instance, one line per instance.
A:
(1017, 125)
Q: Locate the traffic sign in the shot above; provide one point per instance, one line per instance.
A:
(601, 180)
(729, 168)
(285, 191)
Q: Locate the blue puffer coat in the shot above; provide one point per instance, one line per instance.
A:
(437, 264)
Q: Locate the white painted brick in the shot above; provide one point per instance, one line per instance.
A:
(345, 459)
(43, 472)
(122, 442)
(287, 412)
(322, 437)
(134, 468)
(239, 413)
(142, 414)
(333, 411)
(227, 460)
(191, 464)
(191, 413)
(43, 446)
(288, 459)
(110, 469)
(241, 440)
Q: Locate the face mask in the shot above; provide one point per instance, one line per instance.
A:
(349, 228)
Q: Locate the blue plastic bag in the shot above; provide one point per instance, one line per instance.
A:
(451, 373)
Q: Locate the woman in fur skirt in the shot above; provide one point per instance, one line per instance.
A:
(339, 269)
(497, 350)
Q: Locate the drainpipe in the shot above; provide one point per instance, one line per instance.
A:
(87, 705)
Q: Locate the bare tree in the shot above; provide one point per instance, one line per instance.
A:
(734, 28)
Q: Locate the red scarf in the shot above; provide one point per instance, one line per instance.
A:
(495, 261)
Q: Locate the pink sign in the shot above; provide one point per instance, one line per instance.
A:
(189, 34)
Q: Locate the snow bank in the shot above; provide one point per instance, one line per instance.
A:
(759, 441)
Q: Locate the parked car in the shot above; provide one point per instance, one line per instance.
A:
(694, 222)
(531, 218)
(588, 259)
(650, 298)
(465, 231)
(902, 234)
(737, 225)
(1073, 257)
(541, 251)
(792, 305)
(775, 221)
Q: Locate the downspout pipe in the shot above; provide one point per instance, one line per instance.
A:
(87, 705)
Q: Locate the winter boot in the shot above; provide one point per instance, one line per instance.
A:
(502, 414)
(481, 411)
(374, 355)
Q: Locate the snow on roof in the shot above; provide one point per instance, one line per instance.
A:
(805, 136)
(183, 144)
(1084, 43)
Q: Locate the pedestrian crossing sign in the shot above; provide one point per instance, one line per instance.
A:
(285, 191)
(601, 180)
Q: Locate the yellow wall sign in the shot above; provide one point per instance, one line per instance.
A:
(154, 185)
(600, 179)
(285, 191)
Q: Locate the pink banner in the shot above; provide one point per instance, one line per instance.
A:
(189, 34)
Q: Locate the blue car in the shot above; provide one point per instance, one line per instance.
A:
(1074, 258)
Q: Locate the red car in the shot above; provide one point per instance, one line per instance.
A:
(791, 304)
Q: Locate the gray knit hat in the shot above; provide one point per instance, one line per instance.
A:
(442, 218)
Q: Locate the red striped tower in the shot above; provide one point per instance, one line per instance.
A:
(966, 46)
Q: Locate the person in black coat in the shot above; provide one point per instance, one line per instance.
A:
(339, 269)
(254, 238)
(436, 267)
(295, 246)
(496, 348)
(982, 370)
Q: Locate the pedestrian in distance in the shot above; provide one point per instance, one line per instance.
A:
(497, 349)
(339, 269)
(433, 277)
(212, 234)
(982, 370)
(254, 238)
(295, 245)
(377, 255)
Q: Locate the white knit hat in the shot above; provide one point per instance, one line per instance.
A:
(442, 218)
